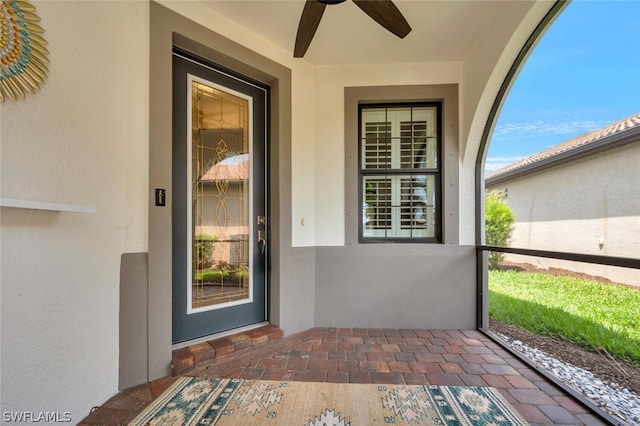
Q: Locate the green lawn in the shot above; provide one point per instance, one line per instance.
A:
(588, 313)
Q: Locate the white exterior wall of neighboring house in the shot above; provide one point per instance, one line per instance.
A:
(589, 205)
(83, 139)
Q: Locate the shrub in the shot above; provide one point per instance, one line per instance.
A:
(499, 220)
(203, 250)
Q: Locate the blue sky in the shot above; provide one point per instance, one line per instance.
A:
(583, 74)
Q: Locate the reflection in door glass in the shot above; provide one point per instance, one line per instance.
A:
(220, 169)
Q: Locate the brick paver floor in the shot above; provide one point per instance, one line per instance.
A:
(357, 355)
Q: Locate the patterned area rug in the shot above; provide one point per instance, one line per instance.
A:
(195, 401)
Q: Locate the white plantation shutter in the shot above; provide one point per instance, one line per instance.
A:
(377, 146)
(398, 161)
(378, 201)
(413, 139)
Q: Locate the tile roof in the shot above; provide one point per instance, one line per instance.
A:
(567, 148)
(235, 167)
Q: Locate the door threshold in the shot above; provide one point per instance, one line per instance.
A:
(214, 336)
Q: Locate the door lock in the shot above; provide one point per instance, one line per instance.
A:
(262, 234)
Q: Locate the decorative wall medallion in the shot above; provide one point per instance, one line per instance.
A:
(23, 55)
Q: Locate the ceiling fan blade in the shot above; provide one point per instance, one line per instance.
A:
(309, 21)
(385, 13)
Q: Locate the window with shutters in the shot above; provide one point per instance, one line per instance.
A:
(400, 172)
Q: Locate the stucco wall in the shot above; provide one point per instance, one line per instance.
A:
(575, 206)
(84, 139)
(396, 286)
(81, 140)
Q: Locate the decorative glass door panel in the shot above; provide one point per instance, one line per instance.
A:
(219, 247)
(220, 196)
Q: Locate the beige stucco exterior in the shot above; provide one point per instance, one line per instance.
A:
(582, 206)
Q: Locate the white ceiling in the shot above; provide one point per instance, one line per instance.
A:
(442, 30)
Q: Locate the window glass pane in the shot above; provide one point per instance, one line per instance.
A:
(425, 137)
(417, 206)
(399, 206)
(376, 146)
(376, 207)
(413, 144)
(376, 139)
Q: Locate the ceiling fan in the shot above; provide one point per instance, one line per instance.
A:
(384, 12)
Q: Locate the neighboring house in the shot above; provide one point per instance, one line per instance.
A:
(221, 200)
(581, 197)
(93, 297)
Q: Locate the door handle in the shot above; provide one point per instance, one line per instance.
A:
(262, 240)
